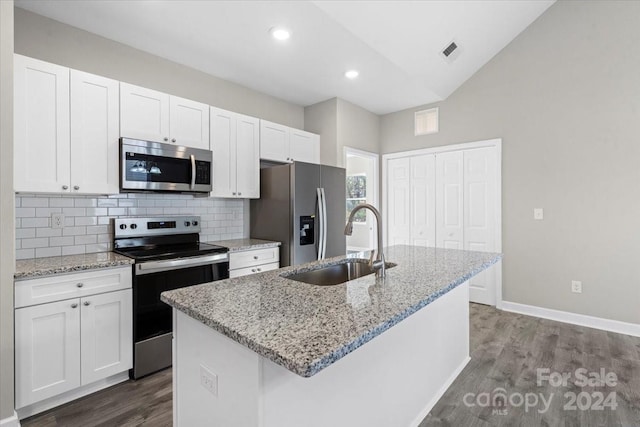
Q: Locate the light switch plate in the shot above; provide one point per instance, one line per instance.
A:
(576, 286)
(538, 213)
(209, 380)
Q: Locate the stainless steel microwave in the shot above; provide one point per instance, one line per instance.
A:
(154, 166)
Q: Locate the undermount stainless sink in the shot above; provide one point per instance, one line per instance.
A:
(336, 273)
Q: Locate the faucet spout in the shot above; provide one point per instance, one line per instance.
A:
(378, 263)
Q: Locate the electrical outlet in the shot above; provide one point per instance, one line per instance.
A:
(576, 286)
(209, 380)
(538, 213)
(57, 220)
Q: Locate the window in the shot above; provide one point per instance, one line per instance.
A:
(356, 194)
(426, 121)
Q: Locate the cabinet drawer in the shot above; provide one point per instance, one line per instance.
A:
(253, 270)
(73, 285)
(254, 257)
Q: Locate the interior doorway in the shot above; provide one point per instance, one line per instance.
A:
(362, 187)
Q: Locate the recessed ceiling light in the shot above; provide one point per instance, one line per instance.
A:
(280, 33)
(351, 74)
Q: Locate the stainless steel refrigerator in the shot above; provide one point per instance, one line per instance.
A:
(303, 206)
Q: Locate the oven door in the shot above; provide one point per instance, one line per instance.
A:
(152, 319)
(155, 166)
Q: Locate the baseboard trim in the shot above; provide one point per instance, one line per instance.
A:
(425, 411)
(625, 328)
(11, 421)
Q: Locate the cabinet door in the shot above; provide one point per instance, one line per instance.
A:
(423, 200)
(144, 113)
(223, 137)
(94, 134)
(106, 335)
(189, 123)
(274, 142)
(399, 201)
(304, 146)
(47, 350)
(449, 200)
(41, 100)
(248, 157)
(480, 206)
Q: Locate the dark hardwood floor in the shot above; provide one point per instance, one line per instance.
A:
(506, 351)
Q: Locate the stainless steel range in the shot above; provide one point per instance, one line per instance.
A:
(168, 255)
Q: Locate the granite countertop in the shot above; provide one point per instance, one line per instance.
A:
(306, 328)
(237, 245)
(40, 267)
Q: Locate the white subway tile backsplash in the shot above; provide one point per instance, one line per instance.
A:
(88, 220)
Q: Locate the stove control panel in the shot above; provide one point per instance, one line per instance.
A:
(155, 226)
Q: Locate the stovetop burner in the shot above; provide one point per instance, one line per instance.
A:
(146, 239)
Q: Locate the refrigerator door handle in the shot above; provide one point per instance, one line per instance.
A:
(320, 224)
(324, 226)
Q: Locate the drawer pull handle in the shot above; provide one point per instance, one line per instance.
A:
(86, 303)
(74, 305)
(80, 285)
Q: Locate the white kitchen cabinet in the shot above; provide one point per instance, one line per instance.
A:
(41, 126)
(94, 134)
(47, 340)
(156, 116)
(252, 261)
(66, 130)
(72, 331)
(281, 143)
(235, 142)
(304, 146)
(105, 335)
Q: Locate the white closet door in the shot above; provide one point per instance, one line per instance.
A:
(423, 200)
(399, 201)
(480, 205)
(449, 200)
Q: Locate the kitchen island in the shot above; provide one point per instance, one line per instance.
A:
(264, 350)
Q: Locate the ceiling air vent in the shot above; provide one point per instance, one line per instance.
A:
(451, 52)
(426, 121)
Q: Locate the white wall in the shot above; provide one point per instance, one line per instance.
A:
(565, 98)
(88, 220)
(321, 118)
(7, 261)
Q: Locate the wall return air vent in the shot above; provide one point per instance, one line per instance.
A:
(426, 121)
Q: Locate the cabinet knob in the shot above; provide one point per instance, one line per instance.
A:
(65, 187)
(255, 257)
(234, 193)
(253, 270)
(76, 187)
(74, 305)
(258, 269)
(173, 140)
(166, 139)
(239, 194)
(287, 158)
(86, 303)
(79, 285)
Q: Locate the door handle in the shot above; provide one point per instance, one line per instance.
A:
(193, 171)
(320, 224)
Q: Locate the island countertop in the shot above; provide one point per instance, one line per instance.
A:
(306, 328)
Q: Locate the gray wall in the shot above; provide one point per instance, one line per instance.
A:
(565, 99)
(7, 260)
(342, 124)
(55, 42)
(322, 118)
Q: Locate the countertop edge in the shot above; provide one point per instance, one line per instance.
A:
(41, 272)
(312, 368)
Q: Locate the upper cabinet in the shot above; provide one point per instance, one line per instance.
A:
(155, 116)
(235, 142)
(281, 143)
(66, 126)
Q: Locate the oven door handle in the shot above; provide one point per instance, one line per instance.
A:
(193, 171)
(174, 264)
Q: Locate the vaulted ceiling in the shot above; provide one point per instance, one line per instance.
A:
(395, 45)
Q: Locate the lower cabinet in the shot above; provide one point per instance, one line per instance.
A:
(243, 263)
(63, 345)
